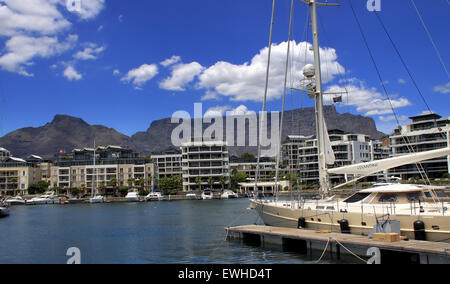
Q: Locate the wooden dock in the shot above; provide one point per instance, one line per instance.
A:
(304, 241)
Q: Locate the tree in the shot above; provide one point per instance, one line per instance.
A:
(123, 190)
(38, 188)
(198, 182)
(211, 182)
(171, 185)
(222, 181)
(237, 178)
(247, 157)
(131, 182)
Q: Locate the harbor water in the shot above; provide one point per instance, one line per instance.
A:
(178, 232)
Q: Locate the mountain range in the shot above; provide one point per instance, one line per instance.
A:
(67, 133)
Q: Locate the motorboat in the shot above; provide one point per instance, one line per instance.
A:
(191, 196)
(132, 197)
(228, 194)
(97, 199)
(18, 200)
(44, 199)
(154, 196)
(207, 194)
(4, 212)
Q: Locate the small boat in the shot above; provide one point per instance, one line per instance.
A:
(4, 212)
(132, 197)
(207, 194)
(227, 194)
(44, 199)
(191, 196)
(18, 200)
(154, 196)
(97, 199)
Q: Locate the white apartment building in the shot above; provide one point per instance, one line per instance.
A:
(300, 153)
(167, 165)
(426, 132)
(205, 160)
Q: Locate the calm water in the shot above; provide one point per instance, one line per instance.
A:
(157, 232)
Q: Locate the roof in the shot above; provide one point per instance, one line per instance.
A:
(17, 160)
(394, 188)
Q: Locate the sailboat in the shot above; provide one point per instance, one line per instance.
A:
(416, 208)
(95, 197)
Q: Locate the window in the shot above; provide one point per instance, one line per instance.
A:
(388, 198)
(356, 197)
(414, 196)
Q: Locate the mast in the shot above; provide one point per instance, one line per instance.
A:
(94, 184)
(324, 177)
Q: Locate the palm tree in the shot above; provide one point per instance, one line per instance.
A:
(198, 181)
(131, 182)
(222, 181)
(113, 184)
(211, 182)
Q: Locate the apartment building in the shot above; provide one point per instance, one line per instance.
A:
(300, 153)
(426, 132)
(203, 161)
(113, 164)
(4, 154)
(167, 164)
(16, 175)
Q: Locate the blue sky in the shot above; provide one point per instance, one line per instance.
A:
(124, 64)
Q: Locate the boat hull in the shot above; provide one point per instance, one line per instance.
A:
(360, 223)
(4, 212)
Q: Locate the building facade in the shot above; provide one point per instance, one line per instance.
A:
(205, 164)
(16, 175)
(426, 132)
(114, 166)
(168, 165)
(300, 154)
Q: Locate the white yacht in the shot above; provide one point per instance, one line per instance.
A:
(227, 194)
(97, 199)
(154, 196)
(44, 199)
(207, 194)
(132, 197)
(419, 210)
(191, 196)
(18, 200)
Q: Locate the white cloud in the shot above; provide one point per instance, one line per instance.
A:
(401, 81)
(209, 95)
(401, 119)
(170, 61)
(182, 74)
(228, 111)
(22, 49)
(246, 82)
(91, 8)
(71, 74)
(443, 89)
(116, 72)
(91, 52)
(141, 75)
(33, 29)
(367, 100)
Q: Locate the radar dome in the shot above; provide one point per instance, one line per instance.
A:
(309, 71)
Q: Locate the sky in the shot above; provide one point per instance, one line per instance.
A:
(124, 64)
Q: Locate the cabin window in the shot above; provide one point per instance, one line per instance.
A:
(356, 197)
(440, 194)
(388, 198)
(320, 207)
(415, 196)
(428, 194)
(330, 208)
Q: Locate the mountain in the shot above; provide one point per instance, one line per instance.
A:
(63, 133)
(66, 133)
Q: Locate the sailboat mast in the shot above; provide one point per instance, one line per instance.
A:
(320, 123)
(94, 184)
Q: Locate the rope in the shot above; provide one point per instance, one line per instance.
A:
(324, 251)
(430, 37)
(235, 221)
(349, 251)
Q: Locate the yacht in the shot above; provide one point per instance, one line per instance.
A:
(207, 194)
(154, 196)
(419, 210)
(18, 200)
(227, 194)
(132, 197)
(191, 196)
(97, 199)
(44, 199)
